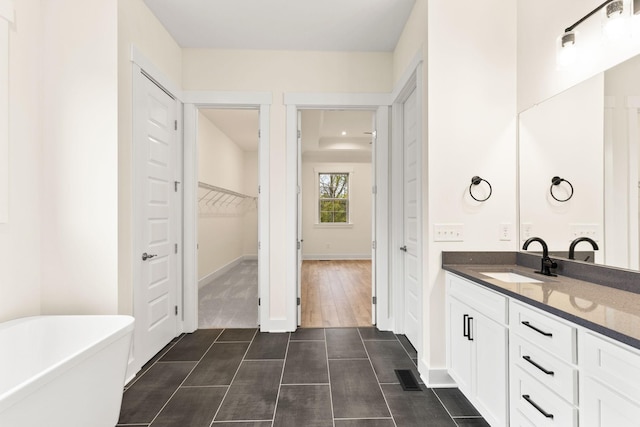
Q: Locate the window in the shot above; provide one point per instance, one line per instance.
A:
(333, 203)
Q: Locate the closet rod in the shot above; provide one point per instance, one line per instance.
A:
(222, 190)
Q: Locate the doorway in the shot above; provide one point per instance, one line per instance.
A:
(228, 285)
(335, 217)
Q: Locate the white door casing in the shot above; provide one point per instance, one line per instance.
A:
(373, 102)
(410, 219)
(211, 99)
(156, 217)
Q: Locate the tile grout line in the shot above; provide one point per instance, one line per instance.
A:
(284, 363)
(444, 406)
(234, 377)
(405, 350)
(135, 380)
(326, 351)
(377, 379)
(186, 376)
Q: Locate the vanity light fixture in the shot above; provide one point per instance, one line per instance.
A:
(614, 26)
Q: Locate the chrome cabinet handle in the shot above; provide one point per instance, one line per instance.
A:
(546, 371)
(146, 256)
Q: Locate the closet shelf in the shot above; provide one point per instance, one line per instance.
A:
(213, 199)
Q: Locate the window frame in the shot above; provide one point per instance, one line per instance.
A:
(333, 170)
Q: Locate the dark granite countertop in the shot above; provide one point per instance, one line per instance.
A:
(610, 310)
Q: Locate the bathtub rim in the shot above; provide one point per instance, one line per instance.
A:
(23, 389)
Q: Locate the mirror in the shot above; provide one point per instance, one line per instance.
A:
(588, 139)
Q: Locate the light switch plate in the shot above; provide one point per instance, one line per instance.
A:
(505, 232)
(584, 230)
(526, 230)
(448, 232)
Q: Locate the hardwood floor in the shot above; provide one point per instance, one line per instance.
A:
(336, 293)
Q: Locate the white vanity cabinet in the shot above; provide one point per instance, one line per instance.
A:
(477, 346)
(609, 382)
(543, 375)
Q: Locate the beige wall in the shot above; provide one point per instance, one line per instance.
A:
(223, 233)
(20, 244)
(139, 27)
(325, 241)
(470, 78)
(279, 72)
(79, 211)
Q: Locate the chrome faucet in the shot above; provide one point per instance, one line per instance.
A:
(547, 263)
(572, 247)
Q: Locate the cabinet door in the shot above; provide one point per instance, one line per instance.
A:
(490, 385)
(459, 345)
(602, 407)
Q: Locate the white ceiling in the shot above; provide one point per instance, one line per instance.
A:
(241, 126)
(327, 25)
(322, 138)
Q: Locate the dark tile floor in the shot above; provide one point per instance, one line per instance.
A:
(310, 378)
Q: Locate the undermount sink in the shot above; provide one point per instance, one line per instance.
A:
(510, 277)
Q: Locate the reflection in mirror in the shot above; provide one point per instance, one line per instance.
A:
(588, 135)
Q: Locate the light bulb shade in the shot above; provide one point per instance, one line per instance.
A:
(615, 20)
(566, 49)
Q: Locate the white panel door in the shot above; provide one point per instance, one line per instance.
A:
(156, 165)
(374, 182)
(299, 240)
(410, 220)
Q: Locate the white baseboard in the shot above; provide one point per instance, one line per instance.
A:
(225, 268)
(435, 378)
(335, 257)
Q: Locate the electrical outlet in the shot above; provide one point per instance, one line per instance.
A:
(448, 232)
(505, 232)
(584, 230)
(526, 230)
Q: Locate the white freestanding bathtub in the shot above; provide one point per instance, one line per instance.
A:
(60, 371)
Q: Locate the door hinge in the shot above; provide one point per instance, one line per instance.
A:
(175, 248)
(175, 186)
(299, 134)
(374, 189)
(259, 189)
(298, 245)
(298, 300)
(175, 125)
(258, 301)
(176, 310)
(374, 300)
(259, 246)
(259, 133)
(373, 244)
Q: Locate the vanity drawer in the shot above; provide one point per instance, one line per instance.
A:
(550, 371)
(537, 404)
(611, 364)
(544, 330)
(489, 303)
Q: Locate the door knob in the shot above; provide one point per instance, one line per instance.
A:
(146, 256)
(403, 248)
